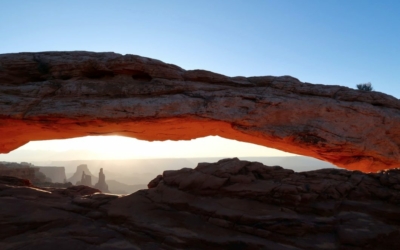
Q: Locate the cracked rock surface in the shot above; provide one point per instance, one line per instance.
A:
(55, 95)
(230, 204)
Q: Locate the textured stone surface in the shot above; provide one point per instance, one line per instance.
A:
(53, 95)
(231, 204)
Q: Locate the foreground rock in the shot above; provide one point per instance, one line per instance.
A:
(231, 204)
(59, 95)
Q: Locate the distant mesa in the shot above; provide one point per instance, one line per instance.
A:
(81, 171)
(23, 170)
(86, 178)
(53, 95)
(39, 176)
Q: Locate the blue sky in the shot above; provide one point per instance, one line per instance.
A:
(329, 41)
(319, 41)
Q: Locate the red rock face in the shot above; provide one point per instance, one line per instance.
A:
(56, 95)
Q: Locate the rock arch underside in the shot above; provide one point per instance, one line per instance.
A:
(57, 95)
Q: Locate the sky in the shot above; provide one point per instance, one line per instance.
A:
(335, 42)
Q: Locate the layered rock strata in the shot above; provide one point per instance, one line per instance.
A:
(231, 204)
(55, 95)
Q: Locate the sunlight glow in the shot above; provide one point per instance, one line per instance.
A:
(118, 147)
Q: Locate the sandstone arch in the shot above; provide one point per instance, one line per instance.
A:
(55, 95)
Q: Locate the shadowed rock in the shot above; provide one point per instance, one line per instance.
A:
(56, 95)
(230, 204)
(14, 181)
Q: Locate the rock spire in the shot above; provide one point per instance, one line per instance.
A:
(102, 185)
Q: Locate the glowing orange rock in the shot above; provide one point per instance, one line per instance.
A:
(55, 95)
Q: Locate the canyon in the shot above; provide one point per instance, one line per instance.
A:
(56, 95)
